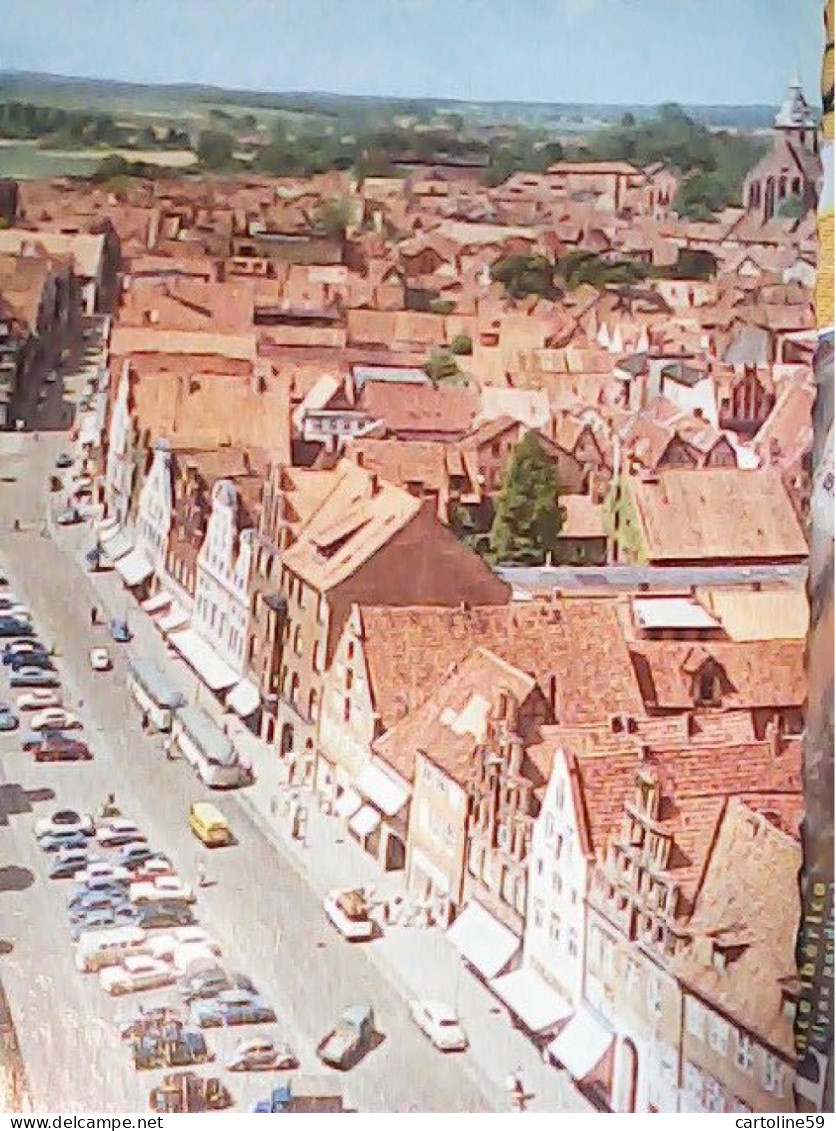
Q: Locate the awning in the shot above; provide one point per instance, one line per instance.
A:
(531, 999)
(364, 822)
(386, 794)
(116, 544)
(158, 602)
(134, 568)
(244, 699)
(174, 619)
(348, 803)
(483, 941)
(583, 1043)
(199, 655)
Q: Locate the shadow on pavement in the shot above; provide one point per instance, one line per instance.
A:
(6, 947)
(15, 800)
(15, 878)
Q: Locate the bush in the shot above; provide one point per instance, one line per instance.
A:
(461, 345)
(214, 149)
(441, 306)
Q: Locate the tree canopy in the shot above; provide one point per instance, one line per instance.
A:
(527, 519)
(214, 149)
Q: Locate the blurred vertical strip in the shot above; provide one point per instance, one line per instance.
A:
(814, 1021)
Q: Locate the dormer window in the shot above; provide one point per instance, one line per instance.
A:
(708, 691)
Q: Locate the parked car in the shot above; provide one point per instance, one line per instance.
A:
(103, 874)
(157, 1050)
(154, 916)
(62, 750)
(232, 1007)
(15, 626)
(134, 855)
(350, 1039)
(38, 700)
(102, 919)
(159, 1019)
(63, 838)
(119, 631)
(100, 659)
(69, 864)
(68, 517)
(33, 677)
(136, 973)
(20, 648)
(55, 718)
(8, 719)
(65, 819)
(152, 867)
(63, 461)
(32, 740)
(161, 887)
(210, 983)
(261, 1054)
(117, 832)
(37, 658)
(348, 911)
(84, 900)
(440, 1023)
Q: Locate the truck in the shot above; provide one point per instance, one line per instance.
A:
(303, 1095)
(350, 1039)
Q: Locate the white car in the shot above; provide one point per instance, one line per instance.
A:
(137, 972)
(101, 875)
(38, 699)
(348, 912)
(168, 948)
(100, 659)
(61, 819)
(169, 888)
(440, 1023)
(118, 832)
(194, 937)
(54, 718)
(151, 869)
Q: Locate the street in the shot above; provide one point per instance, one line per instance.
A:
(264, 914)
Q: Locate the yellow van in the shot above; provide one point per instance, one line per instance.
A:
(208, 824)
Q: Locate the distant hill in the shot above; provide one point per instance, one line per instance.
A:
(349, 110)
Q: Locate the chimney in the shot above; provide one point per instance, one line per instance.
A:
(374, 484)
(359, 459)
(699, 414)
(247, 463)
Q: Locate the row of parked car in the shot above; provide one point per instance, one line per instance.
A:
(131, 920)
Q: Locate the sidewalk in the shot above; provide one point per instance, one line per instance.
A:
(419, 963)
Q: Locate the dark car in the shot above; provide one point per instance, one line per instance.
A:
(85, 899)
(63, 461)
(135, 854)
(165, 914)
(20, 648)
(64, 838)
(102, 918)
(156, 1050)
(37, 658)
(34, 677)
(13, 626)
(119, 631)
(8, 719)
(213, 982)
(232, 1007)
(66, 750)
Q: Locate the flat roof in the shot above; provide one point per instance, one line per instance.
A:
(672, 612)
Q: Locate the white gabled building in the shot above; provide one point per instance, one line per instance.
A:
(155, 507)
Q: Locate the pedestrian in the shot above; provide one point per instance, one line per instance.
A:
(169, 752)
(94, 616)
(201, 874)
(17, 525)
(144, 720)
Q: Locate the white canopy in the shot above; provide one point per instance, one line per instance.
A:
(199, 655)
(382, 790)
(134, 568)
(348, 803)
(158, 602)
(483, 941)
(582, 1044)
(531, 999)
(116, 544)
(364, 822)
(244, 699)
(175, 618)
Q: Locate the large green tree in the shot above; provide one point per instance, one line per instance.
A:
(527, 519)
(214, 149)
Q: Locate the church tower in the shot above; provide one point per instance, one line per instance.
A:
(796, 121)
(784, 181)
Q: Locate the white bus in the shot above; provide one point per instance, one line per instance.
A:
(153, 694)
(208, 750)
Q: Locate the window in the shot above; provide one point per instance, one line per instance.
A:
(631, 975)
(538, 864)
(346, 710)
(715, 1097)
(557, 882)
(773, 1074)
(573, 942)
(737, 1105)
(297, 640)
(316, 657)
(549, 826)
(693, 1084)
(554, 929)
(538, 913)
(654, 995)
(595, 946)
(745, 1052)
(694, 1018)
(718, 1034)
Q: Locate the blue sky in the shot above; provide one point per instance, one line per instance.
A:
(627, 51)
